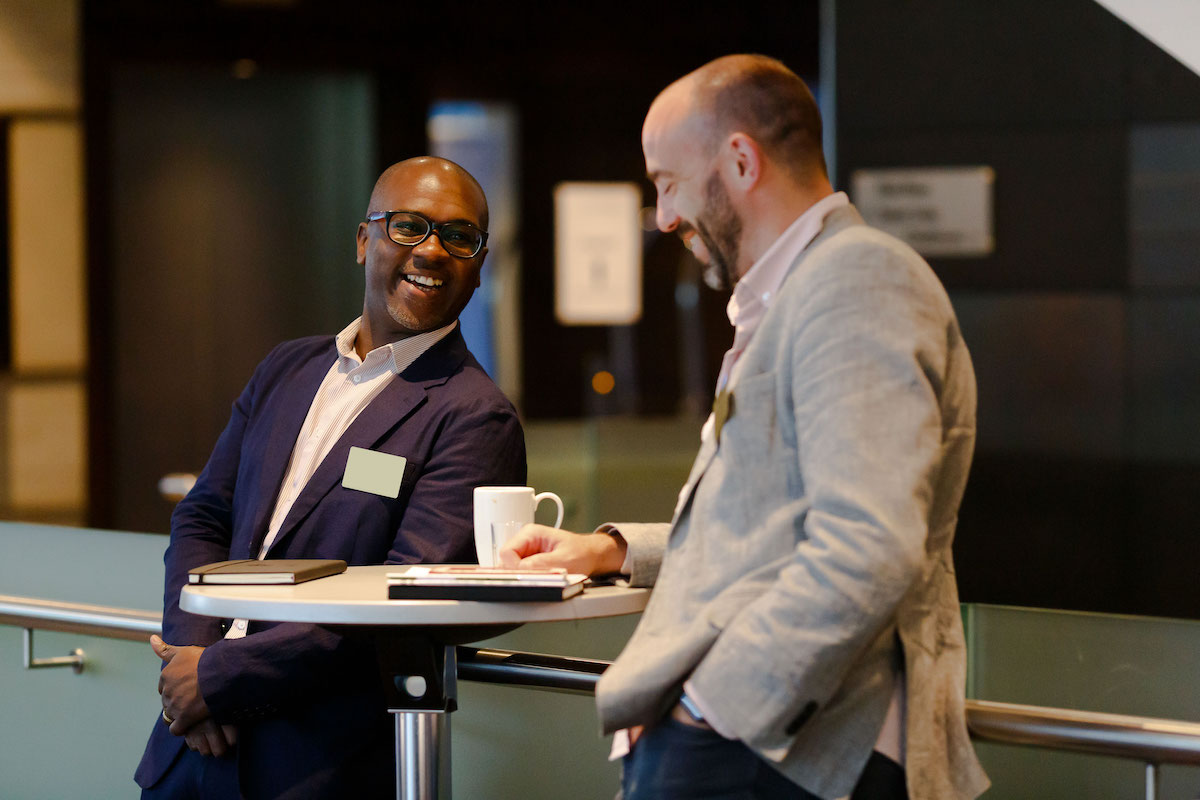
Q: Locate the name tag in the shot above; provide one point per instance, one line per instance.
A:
(374, 472)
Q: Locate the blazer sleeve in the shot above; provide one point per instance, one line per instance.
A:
(202, 524)
(864, 362)
(479, 442)
(482, 444)
(645, 544)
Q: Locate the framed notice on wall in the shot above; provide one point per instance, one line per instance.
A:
(597, 253)
(939, 211)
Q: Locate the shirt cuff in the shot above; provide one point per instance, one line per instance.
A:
(620, 745)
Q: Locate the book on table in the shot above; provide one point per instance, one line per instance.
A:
(469, 582)
(270, 571)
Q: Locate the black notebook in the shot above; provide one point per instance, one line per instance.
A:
(277, 570)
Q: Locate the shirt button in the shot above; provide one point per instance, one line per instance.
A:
(357, 378)
(766, 298)
(241, 624)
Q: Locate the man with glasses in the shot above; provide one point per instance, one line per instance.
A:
(804, 638)
(293, 710)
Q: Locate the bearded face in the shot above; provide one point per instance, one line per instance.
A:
(720, 230)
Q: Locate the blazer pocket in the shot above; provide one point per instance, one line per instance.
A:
(750, 433)
(754, 473)
(412, 470)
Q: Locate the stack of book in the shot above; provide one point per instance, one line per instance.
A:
(465, 582)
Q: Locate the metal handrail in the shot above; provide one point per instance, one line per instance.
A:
(1153, 741)
(533, 670)
(1158, 741)
(52, 615)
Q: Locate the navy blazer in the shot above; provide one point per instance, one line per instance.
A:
(307, 701)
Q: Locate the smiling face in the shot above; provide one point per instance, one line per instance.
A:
(418, 288)
(692, 200)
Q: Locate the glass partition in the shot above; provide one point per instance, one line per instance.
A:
(1145, 666)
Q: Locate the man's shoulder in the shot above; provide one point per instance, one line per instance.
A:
(304, 347)
(863, 274)
(297, 351)
(468, 402)
(451, 365)
(846, 235)
(290, 359)
(849, 251)
(472, 386)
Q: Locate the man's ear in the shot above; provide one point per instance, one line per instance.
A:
(362, 243)
(743, 161)
(482, 254)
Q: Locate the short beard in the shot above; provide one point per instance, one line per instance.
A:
(720, 228)
(402, 316)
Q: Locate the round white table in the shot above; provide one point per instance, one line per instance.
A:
(415, 640)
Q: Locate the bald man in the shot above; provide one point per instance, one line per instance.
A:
(804, 638)
(289, 710)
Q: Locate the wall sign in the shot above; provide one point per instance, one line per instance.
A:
(598, 253)
(940, 211)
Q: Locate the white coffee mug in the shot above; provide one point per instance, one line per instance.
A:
(500, 512)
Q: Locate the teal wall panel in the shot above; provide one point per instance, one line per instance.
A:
(62, 734)
(67, 735)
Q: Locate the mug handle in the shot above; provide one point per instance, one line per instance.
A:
(557, 501)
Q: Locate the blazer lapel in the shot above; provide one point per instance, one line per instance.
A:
(704, 457)
(277, 450)
(398, 400)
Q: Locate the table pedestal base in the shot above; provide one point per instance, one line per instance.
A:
(419, 681)
(422, 754)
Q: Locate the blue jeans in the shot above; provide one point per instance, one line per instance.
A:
(674, 761)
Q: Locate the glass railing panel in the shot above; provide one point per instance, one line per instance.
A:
(1118, 664)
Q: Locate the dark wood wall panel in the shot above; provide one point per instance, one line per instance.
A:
(1087, 478)
(1059, 200)
(947, 65)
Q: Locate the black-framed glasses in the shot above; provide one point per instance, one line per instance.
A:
(461, 239)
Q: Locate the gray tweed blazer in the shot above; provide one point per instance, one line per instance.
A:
(808, 563)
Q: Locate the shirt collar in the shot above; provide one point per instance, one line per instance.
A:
(753, 293)
(399, 354)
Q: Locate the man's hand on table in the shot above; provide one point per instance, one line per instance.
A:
(540, 546)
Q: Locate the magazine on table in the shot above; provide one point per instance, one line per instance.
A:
(470, 582)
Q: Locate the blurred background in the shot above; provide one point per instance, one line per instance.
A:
(182, 183)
